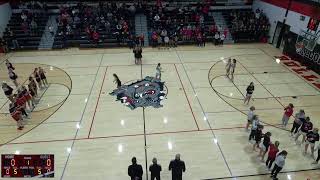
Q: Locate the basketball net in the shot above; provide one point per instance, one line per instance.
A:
(299, 46)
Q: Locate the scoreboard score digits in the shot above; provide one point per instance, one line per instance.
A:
(35, 165)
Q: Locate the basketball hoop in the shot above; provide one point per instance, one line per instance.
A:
(299, 46)
(306, 40)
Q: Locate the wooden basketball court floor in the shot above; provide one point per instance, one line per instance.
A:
(94, 137)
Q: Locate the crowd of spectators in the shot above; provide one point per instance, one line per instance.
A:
(31, 5)
(187, 23)
(28, 22)
(98, 22)
(249, 25)
(26, 25)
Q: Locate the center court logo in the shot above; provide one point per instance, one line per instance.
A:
(143, 93)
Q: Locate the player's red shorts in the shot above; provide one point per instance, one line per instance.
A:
(16, 115)
(21, 101)
(27, 96)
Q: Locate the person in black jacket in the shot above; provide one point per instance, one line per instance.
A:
(135, 170)
(155, 170)
(177, 167)
(249, 90)
(137, 51)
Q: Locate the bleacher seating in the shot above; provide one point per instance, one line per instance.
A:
(91, 24)
(79, 33)
(179, 20)
(247, 26)
(27, 39)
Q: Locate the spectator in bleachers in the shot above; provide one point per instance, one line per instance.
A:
(154, 39)
(225, 32)
(156, 18)
(166, 42)
(33, 27)
(14, 41)
(25, 27)
(163, 34)
(24, 17)
(51, 30)
(132, 9)
(4, 45)
(95, 37)
(110, 19)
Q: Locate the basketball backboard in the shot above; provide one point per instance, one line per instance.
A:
(307, 39)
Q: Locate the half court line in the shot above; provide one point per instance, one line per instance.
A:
(195, 120)
(203, 112)
(98, 100)
(80, 121)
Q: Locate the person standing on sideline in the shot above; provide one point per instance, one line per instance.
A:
(137, 51)
(288, 111)
(233, 68)
(312, 137)
(32, 86)
(155, 170)
(43, 77)
(158, 71)
(273, 150)
(13, 76)
(250, 116)
(228, 66)
(37, 77)
(254, 127)
(318, 158)
(305, 128)
(117, 80)
(222, 37)
(177, 167)
(264, 146)
(16, 114)
(298, 118)
(249, 90)
(258, 136)
(135, 170)
(216, 39)
(278, 164)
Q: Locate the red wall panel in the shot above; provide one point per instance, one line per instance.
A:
(3, 1)
(302, 8)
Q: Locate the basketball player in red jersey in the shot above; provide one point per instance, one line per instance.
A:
(16, 114)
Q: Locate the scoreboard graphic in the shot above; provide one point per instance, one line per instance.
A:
(40, 165)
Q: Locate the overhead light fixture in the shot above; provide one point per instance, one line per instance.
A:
(120, 148)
